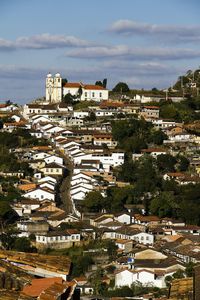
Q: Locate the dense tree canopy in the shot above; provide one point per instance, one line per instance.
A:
(165, 198)
(133, 135)
(121, 87)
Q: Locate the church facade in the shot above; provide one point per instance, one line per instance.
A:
(54, 88)
(55, 91)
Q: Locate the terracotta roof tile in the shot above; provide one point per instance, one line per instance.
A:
(39, 285)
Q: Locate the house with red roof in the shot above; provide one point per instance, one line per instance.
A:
(88, 91)
(55, 90)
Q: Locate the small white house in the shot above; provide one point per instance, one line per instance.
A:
(124, 218)
(81, 178)
(40, 155)
(53, 158)
(53, 169)
(47, 178)
(48, 185)
(146, 277)
(41, 194)
(80, 114)
(144, 238)
(58, 239)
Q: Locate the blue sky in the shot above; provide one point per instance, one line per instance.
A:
(146, 43)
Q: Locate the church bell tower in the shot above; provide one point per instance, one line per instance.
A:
(53, 88)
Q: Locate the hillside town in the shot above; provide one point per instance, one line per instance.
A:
(100, 194)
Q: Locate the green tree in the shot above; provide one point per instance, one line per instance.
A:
(64, 81)
(81, 264)
(105, 83)
(166, 163)
(99, 83)
(128, 171)
(91, 117)
(183, 163)
(96, 281)
(112, 249)
(121, 87)
(94, 201)
(5, 208)
(23, 244)
(147, 178)
(157, 137)
(190, 212)
(80, 92)
(154, 89)
(68, 99)
(168, 280)
(179, 274)
(164, 205)
(169, 111)
(189, 270)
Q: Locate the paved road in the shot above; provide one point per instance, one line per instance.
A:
(65, 186)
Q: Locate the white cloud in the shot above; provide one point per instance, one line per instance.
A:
(6, 45)
(130, 53)
(48, 41)
(44, 41)
(171, 32)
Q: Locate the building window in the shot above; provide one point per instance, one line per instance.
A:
(93, 94)
(100, 95)
(85, 94)
(57, 170)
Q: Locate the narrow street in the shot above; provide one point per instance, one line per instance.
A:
(65, 185)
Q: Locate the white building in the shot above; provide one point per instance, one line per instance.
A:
(58, 239)
(55, 91)
(144, 238)
(113, 159)
(40, 194)
(146, 277)
(53, 88)
(54, 158)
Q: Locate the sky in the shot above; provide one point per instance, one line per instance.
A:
(145, 43)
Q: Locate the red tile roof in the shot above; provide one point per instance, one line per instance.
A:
(105, 104)
(39, 285)
(72, 84)
(85, 86)
(93, 87)
(176, 174)
(152, 107)
(3, 105)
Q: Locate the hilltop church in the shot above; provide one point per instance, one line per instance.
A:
(55, 90)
